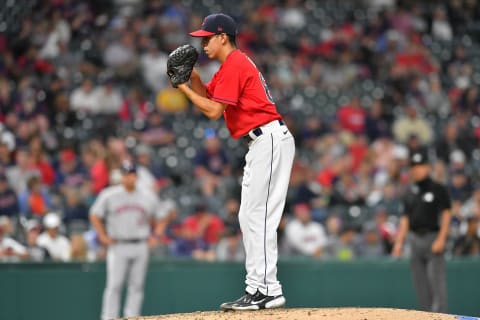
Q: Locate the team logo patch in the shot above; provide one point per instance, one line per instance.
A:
(428, 197)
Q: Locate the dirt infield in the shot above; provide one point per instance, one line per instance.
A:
(309, 314)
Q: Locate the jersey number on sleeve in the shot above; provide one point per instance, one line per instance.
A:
(265, 86)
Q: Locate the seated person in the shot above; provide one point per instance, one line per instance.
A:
(35, 200)
(10, 249)
(468, 244)
(57, 245)
(304, 236)
(198, 234)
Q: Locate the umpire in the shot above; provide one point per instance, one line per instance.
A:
(427, 216)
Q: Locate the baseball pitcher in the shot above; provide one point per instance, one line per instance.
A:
(238, 91)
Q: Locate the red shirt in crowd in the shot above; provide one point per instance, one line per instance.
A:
(352, 118)
(212, 231)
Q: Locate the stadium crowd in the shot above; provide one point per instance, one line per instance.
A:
(83, 86)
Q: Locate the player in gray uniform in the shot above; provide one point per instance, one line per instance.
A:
(123, 216)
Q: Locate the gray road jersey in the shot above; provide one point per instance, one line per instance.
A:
(126, 214)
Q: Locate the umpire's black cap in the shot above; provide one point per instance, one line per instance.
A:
(418, 157)
(128, 167)
(216, 23)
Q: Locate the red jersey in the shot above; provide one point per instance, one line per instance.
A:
(352, 118)
(239, 84)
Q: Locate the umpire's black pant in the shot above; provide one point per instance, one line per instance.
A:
(428, 273)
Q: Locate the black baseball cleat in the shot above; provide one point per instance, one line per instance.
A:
(226, 306)
(260, 301)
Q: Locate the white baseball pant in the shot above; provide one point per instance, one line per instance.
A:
(264, 189)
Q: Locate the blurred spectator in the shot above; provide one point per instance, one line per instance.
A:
(345, 246)
(95, 250)
(211, 166)
(292, 15)
(352, 116)
(78, 247)
(457, 160)
(204, 224)
(347, 191)
(156, 132)
(58, 246)
(70, 172)
(386, 228)
(371, 242)
(150, 173)
(94, 159)
(377, 123)
(154, 67)
(230, 246)
(447, 142)
(63, 119)
(8, 199)
(471, 207)
(311, 131)
(28, 107)
(440, 172)
(41, 161)
(470, 101)
(383, 152)
(304, 236)
(441, 28)
(22, 170)
(84, 99)
(459, 185)
(10, 249)
(121, 55)
(468, 244)
(35, 201)
(171, 229)
(7, 96)
(436, 100)
(33, 228)
(7, 148)
(168, 229)
(199, 234)
(134, 109)
(75, 212)
(8, 226)
(46, 134)
(459, 68)
(107, 98)
(306, 189)
(412, 124)
(58, 32)
(69, 62)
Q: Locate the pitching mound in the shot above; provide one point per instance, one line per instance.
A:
(310, 314)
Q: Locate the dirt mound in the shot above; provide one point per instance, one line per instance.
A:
(309, 314)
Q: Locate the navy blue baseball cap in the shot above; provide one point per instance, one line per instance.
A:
(128, 167)
(216, 23)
